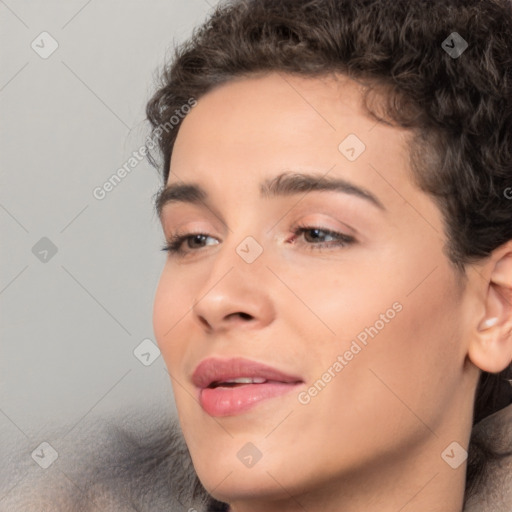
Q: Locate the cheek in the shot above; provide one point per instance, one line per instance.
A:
(397, 322)
(414, 360)
(171, 325)
(172, 303)
(397, 385)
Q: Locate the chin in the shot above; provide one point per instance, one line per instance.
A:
(244, 485)
(236, 471)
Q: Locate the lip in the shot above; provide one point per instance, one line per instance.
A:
(232, 400)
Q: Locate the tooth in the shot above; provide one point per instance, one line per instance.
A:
(247, 380)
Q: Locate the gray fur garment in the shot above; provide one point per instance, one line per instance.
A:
(114, 468)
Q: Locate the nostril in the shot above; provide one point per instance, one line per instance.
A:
(204, 322)
(241, 314)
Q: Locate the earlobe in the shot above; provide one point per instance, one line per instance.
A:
(490, 347)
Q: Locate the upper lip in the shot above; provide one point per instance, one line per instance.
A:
(216, 370)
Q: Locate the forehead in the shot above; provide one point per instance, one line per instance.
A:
(281, 118)
(249, 130)
(327, 104)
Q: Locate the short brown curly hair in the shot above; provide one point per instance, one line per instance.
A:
(459, 107)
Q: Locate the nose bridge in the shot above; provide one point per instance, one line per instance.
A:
(243, 245)
(237, 282)
(240, 260)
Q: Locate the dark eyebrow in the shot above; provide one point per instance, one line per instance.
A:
(284, 184)
(294, 183)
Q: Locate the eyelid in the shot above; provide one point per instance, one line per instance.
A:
(326, 222)
(320, 217)
(340, 237)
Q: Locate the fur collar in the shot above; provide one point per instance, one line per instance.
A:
(118, 469)
(494, 494)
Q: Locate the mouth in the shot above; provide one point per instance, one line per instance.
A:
(233, 386)
(238, 382)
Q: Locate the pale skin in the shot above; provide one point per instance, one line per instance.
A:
(372, 439)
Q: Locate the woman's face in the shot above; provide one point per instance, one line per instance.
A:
(368, 321)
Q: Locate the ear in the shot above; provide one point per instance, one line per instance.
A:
(490, 347)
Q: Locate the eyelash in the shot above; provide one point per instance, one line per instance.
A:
(174, 245)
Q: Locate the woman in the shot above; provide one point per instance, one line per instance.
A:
(338, 289)
(336, 308)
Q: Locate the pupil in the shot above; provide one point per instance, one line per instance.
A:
(197, 238)
(315, 233)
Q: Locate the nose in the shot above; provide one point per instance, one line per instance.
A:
(236, 295)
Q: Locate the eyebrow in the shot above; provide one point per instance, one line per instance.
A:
(284, 184)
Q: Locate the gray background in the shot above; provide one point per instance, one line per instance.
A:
(70, 324)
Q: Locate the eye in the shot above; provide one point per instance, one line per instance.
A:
(175, 243)
(319, 234)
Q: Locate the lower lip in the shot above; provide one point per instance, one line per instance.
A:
(224, 401)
